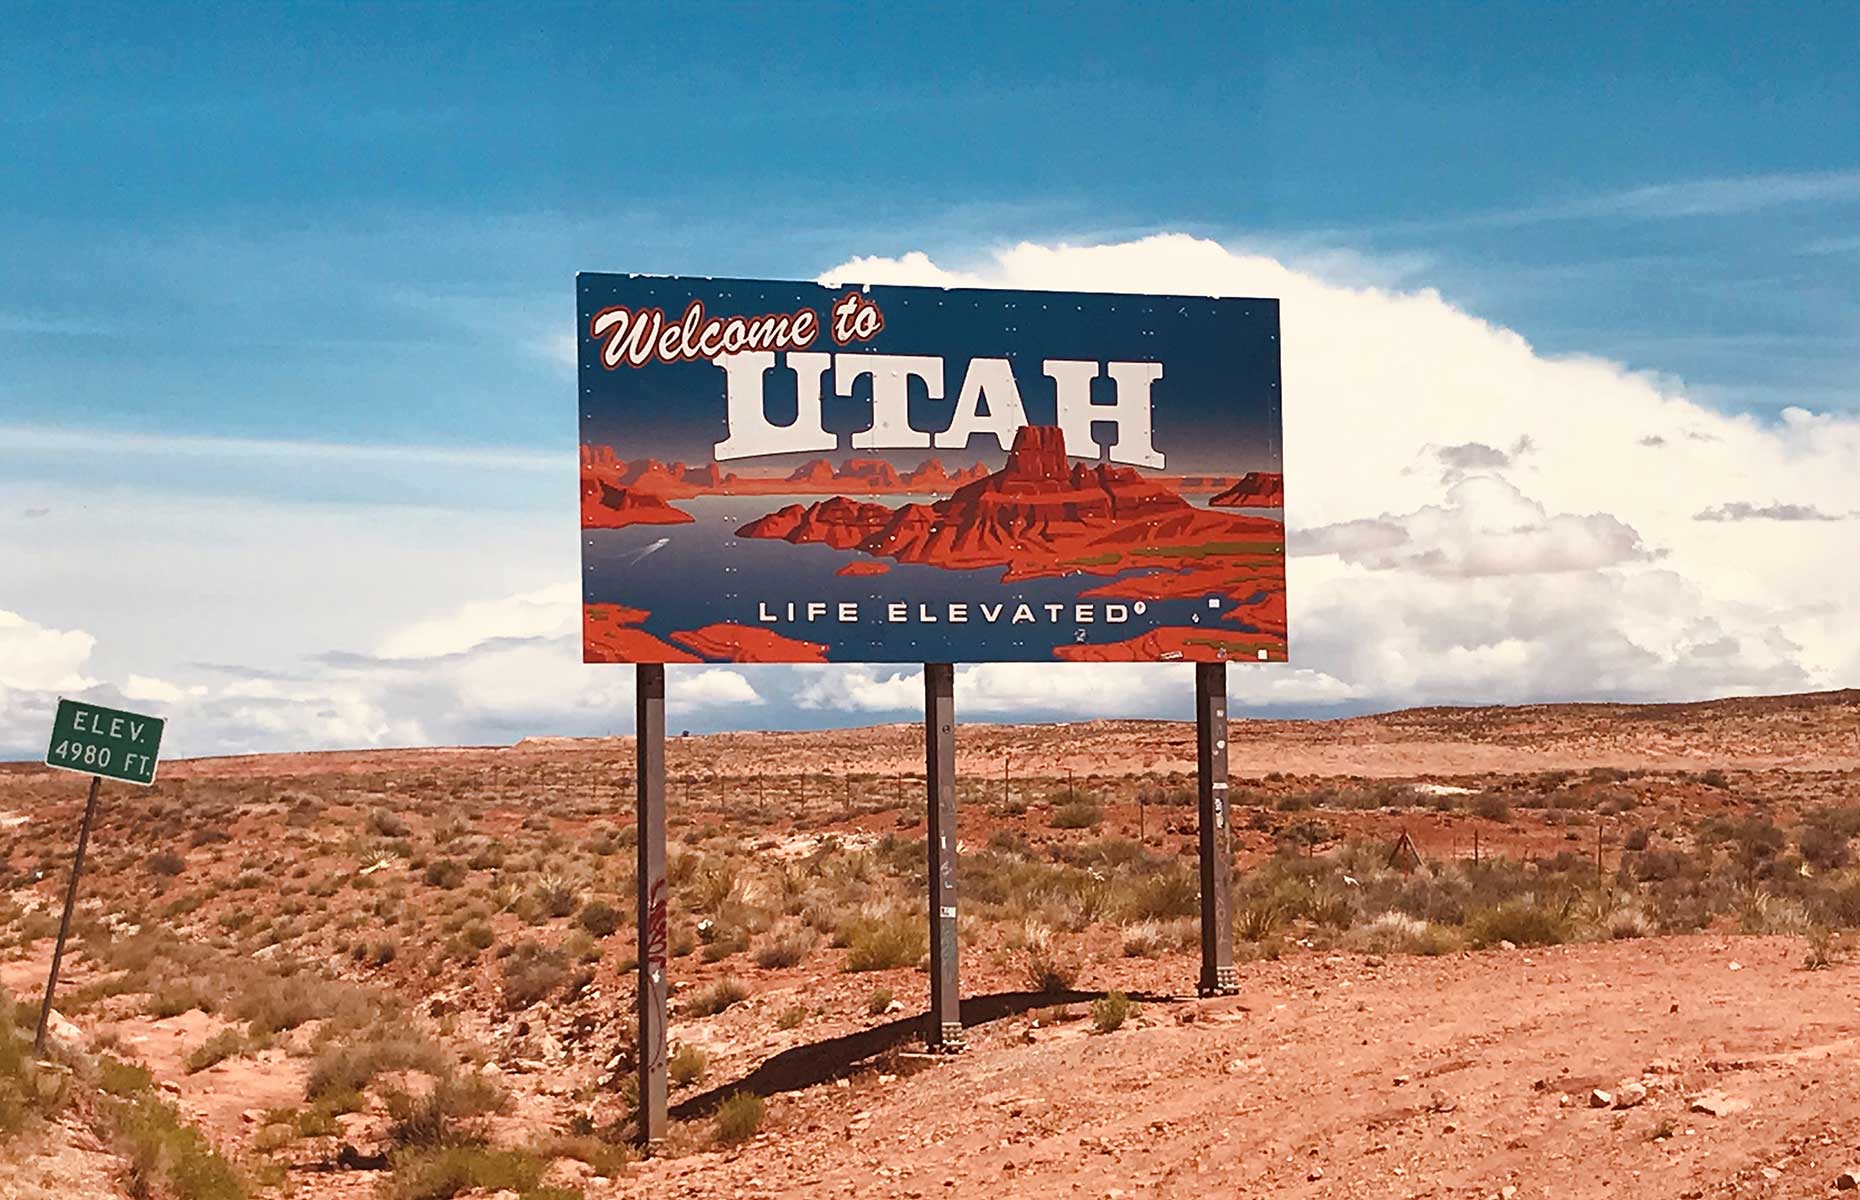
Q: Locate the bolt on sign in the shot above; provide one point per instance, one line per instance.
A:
(106, 742)
(788, 472)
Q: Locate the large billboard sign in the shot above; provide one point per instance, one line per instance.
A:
(786, 472)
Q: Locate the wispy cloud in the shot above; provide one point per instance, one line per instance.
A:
(1738, 510)
(1680, 199)
(40, 439)
(1723, 197)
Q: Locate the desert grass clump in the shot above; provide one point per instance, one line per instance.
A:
(883, 941)
(1110, 1011)
(532, 973)
(445, 873)
(784, 948)
(739, 1117)
(168, 1156)
(447, 1171)
(879, 1001)
(1082, 813)
(1046, 969)
(225, 1044)
(1821, 948)
(1258, 921)
(687, 1065)
(716, 997)
(341, 1071)
(1399, 933)
(599, 918)
(27, 1093)
(1523, 922)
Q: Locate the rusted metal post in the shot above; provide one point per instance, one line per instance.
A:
(945, 1032)
(64, 923)
(1218, 976)
(649, 760)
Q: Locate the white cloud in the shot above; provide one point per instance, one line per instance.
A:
(35, 658)
(1471, 521)
(1486, 526)
(1573, 568)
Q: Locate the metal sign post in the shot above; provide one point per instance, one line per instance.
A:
(945, 1032)
(649, 763)
(1218, 976)
(99, 742)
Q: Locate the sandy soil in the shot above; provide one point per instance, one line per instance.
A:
(1351, 1076)
(1328, 1075)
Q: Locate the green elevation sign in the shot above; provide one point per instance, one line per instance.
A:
(105, 741)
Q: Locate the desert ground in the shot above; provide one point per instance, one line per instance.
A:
(1621, 967)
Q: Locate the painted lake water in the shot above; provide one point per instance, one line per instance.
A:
(688, 576)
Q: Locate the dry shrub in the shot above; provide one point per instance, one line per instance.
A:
(883, 941)
(1399, 933)
(1045, 968)
(714, 998)
(739, 1117)
(1522, 922)
(784, 948)
(532, 973)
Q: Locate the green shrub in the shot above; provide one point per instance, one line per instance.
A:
(344, 1070)
(221, 1046)
(168, 1156)
(1111, 1011)
(739, 1117)
(878, 1001)
(1522, 922)
(881, 943)
(446, 1171)
(1082, 813)
(166, 863)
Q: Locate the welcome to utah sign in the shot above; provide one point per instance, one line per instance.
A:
(785, 472)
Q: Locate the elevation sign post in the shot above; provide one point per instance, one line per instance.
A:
(649, 770)
(99, 742)
(945, 1032)
(1218, 977)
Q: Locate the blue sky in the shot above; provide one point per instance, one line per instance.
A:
(312, 228)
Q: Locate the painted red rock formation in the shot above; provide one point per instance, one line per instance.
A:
(818, 471)
(864, 566)
(1266, 613)
(607, 506)
(677, 481)
(929, 476)
(1257, 489)
(749, 643)
(1037, 515)
(874, 473)
(1178, 644)
(609, 635)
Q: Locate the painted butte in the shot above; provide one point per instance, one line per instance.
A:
(1036, 516)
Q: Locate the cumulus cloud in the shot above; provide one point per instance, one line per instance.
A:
(36, 658)
(1469, 519)
(1485, 526)
(1572, 568)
